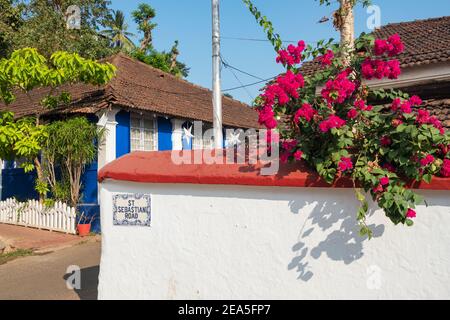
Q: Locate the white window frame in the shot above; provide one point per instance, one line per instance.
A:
(202, 143)
(142, 129)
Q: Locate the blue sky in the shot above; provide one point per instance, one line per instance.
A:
(189, 21)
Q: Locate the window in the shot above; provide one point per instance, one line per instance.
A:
(143, 133)
(206, 141)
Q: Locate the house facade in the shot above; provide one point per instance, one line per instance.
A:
(141, 109)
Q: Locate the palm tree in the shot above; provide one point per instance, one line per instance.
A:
(117, 31)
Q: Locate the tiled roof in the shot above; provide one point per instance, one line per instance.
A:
(426, 42)
(140, 86)
(441, 109)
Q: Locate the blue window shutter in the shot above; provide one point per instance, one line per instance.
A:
(164, 134)
(122, 133)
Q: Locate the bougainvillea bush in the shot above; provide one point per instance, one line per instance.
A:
(328, 121)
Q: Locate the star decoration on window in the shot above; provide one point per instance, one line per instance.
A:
(187, 135)
(233, 139)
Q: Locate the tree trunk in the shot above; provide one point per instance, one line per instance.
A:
(38, 166)
(344, 21)
(146, 41)
(173, 61)
(40, 176)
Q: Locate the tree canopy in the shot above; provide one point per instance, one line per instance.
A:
(41, 24)
(26, 70)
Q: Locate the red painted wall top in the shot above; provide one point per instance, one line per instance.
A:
(158, 167)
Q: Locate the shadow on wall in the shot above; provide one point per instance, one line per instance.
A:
(89, 283)
(329, 227)
(342, 242)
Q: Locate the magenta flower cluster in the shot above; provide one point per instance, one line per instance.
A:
(306, 112)
(333, 121)
(393, 46)
(292, 55)
(339, 89)
(379, 69)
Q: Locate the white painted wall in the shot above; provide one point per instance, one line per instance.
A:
(241, 242)
(177, 133)
(107, 147)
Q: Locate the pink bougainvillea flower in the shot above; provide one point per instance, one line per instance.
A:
(292, 55)
(352, 114)
(394, 69)
(402, 106)
(345, 164)
(396, 103)
(360, 104)
(288, 145)
(326, 59)
(378, 189)
(415, 101)
(396, 45)
(379, 69)
(298, 155)
(445, 170)
(423, 116)
(290, 83)
(339, 89)
(267, 118)
(385, 141)
(285, 88)
(410, 213)
(332, 122)
(384, 181)
(405, 107)
(380, 47)
(306, 112)
(427, 160)
(284, 156)
(392, 46)
(437, 124)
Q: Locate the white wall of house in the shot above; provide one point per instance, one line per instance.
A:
(243, 242)
(107, 147)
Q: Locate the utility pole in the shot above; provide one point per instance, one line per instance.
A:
(217, 94)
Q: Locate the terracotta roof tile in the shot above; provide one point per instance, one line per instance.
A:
(140, 86)
(441, 109)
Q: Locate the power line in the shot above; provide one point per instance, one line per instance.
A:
(248, 85)
(227, 66)
(262, 40)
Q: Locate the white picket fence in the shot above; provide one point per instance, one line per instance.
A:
(59, 217)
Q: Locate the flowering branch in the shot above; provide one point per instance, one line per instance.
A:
(340, 133)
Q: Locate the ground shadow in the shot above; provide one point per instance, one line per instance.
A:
(89, 283)
(338, 234)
